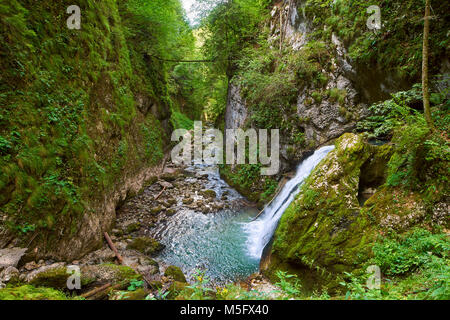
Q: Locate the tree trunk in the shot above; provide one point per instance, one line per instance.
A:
(426, 96)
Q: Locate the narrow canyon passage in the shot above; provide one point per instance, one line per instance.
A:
(207, 226)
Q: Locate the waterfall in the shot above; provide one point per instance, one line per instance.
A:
(261, 230)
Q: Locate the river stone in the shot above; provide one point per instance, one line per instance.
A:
(211, 194)
(11, 257)
(146, 245)
(175, 273)
(9, 274)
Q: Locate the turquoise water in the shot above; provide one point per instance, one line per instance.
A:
(214, 243)
(227, 245)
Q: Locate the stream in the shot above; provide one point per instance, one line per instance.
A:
(227, 244)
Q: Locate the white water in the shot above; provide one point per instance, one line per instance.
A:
(261, 230)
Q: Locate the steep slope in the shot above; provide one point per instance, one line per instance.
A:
(317, 68)
(83, 120)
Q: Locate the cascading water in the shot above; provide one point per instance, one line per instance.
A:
(261, 230)
(227, 245)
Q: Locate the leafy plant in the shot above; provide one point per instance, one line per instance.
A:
(289, 284)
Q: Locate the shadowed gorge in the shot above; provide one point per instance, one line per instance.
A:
(352, 97)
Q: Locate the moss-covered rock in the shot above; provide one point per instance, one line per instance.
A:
(52, 276)
(178, 291)
(210, 194)
(56, 276)
(138, 294)
(146, 245)
(132, 227)
(29, 292)
(324, 232)
(175, 273)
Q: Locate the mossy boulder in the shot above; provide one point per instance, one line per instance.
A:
(209, 194)
(56, 276)
(132, 227)
(138, 294)
(146, 245)
(175, 273)
(52, 276)
(324, 232)
(29, 292)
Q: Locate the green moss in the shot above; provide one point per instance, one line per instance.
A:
(122, 273)
(145, 245)
(71, 121)
(132, 227)
(176, 273)
(29, 292)
(209, 194)
(53, 278)
(309, 240)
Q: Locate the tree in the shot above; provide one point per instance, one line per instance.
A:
(426, 95)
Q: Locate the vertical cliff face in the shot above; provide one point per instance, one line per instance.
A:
(236, 111)
(83, 122)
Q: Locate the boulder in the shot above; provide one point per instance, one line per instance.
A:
(10, 257)
(210, 194)
(9, 275)
(175, 273)
(325, 231)
(146, 245)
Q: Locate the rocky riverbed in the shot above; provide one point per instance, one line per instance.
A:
(144, 228)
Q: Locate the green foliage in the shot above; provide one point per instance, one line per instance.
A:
(397, 47)
(181, 121)
(417, 264)
(421, 156)
(135, 284)
(228, 27)
(28, 292)
(75, 104)
(199, 290)
(405, 254)
(289, 284)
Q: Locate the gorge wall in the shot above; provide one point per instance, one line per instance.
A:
(83, 120)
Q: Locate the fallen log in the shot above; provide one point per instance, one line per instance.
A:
(156, 198)
(96, 290)
(113, 248)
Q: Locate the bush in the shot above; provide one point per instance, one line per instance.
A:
(419, 248)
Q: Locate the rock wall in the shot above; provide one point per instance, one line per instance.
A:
(85, 123)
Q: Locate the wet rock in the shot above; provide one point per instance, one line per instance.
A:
(175, 273)
(104, 273)
(11, 257)
(170, 177)
(171, 201)
(211, 194)
(138, 294)
(156, 210)
(170, 212)
(188, 200)
(146, 245)
(165, 184)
